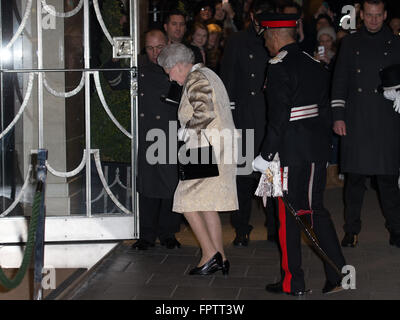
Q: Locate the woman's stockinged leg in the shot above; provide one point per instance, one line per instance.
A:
(199, 227)
(213, 223)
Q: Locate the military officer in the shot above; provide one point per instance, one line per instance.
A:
(299, 131)
(243, 68)
(365, 120)
(156, 183)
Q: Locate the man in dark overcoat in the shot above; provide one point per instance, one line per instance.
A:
(365, 120)
(156, 178)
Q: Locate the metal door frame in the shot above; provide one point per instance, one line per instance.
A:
(89, 227)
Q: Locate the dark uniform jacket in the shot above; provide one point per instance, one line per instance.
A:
(372, 143)
(243, 69)
(299, 115)
(153, 180)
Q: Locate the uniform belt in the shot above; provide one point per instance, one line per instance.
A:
(305, 112)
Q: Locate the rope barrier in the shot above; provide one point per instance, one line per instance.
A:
(16, 281)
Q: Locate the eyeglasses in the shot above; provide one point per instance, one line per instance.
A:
(150, 48)
(206, 9)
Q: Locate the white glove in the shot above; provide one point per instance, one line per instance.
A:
(259, 164)
(183, 134)
(393, 95)
(270, 184)
(390, 94)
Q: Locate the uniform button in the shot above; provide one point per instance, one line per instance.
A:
(358, 70)
(385, 53)
(376, 90)
(142, 94)
(142, 115)
(253, 93)
(359, 90)
(390, 42)
(142, 75)
(251, 56)
(158, 117)
(358, 53)
(253, 75)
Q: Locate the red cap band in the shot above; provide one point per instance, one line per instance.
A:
(279, 24)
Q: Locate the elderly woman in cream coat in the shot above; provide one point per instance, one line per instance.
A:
(203, 111)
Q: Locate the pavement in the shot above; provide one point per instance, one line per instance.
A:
(162, 274)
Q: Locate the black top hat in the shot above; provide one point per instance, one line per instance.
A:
(390, 77)
(277, 20)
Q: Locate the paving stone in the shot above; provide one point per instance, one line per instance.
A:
(263, 270)
(185, 281)
(146, 268)
(240, 282)
(120, 291)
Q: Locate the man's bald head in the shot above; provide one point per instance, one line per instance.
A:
(155, 41)
(276, 38)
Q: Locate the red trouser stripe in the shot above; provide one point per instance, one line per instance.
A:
(282, 240)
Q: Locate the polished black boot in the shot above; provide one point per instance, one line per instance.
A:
(330, 287)
(242, 239)
(277, 288)
(210, 267)
(170, 243)
(142, 244)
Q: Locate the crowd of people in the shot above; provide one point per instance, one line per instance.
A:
(312, 93)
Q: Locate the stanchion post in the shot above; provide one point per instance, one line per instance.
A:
(39, 246)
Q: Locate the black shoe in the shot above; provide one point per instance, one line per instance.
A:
(210, 267)
(142, 244)
(350, 240)
(170, 243)
(277, 288)
(394, 239)
(332, 287)
(242, 239)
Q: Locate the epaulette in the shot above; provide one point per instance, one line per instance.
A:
(311, 57)
(278, 58)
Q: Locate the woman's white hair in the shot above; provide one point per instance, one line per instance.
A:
(173, 54)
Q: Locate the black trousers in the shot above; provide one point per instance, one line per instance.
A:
(156, 219)
(306, 185)
(240, 219)
(389, 194)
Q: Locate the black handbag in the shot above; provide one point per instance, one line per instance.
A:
(201, 162)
